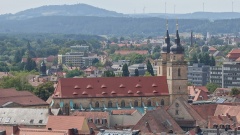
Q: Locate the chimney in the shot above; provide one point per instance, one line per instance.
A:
(91, 131)
(49, 111)
(14, 129)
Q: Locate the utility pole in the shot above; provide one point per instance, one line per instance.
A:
(174, 8)
(165, 8)
(232, 6)
(203, 6)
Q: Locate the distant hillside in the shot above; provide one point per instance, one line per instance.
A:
(196, 15)
(115, 25)
(64, 10)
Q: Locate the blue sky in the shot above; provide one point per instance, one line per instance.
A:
(130, 6)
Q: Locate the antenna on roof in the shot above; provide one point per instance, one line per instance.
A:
(203, 6)
(232, 6)
(165, 8)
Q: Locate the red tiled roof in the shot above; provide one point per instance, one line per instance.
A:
(92, 115)
(51, 58)
(157, 121)
(8, 129)
(35, 131)
(203, 88)
(89, 69)
(238, 59)
(24, 98)
(228, 109)
(65, 87)
(205, 110)
(126, 52)
(67, 122)
(126, 112)
(234, 54)
(221, 120)
(212, 49)
(197, 93)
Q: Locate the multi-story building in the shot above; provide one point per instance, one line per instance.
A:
(198, 74)
(78, 57)
(227, 75)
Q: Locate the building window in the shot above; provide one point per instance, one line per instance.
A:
(176, 112)
(179, 88)
(123, 103)
(135, 103)
(179, 72)
(75, 106)
(174, 57)
(168, 71)
(109, 104)
(162, 102)
(97, 104)
(149, 103)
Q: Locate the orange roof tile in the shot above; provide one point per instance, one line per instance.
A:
(24, 98)
(126, 52)
(92, 115)
(67, 122)
(65, 87)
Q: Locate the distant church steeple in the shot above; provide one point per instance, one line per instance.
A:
(43, 69)
(167, 45)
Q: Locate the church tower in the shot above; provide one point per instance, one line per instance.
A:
(161, 71)
(43, 69)
(177, 71)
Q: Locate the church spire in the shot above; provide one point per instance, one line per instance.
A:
(177, 39)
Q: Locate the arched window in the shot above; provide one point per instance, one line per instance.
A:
(97, 104)
(66, 109)
(149, 103)
(75, 106)
(179, 72)
(123, 103)
(135, 103)
(162, 102)
(179, 88)
(110, 104)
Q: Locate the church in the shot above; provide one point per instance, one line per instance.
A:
(142, 93)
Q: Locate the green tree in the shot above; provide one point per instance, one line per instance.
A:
(73, 73)
(17, 56)
(136, 72)
(150, 68)
(194, 58)
(30, 65)
(18, 81)
(201, 58)
(234, 91)
(121, 39)
(212, 61)
(44, 91)
(95, 61)
(147, 74)
(125, 71)
(206, 59)
(212, 87)
(108, 74)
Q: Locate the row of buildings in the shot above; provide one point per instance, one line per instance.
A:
(226, 75)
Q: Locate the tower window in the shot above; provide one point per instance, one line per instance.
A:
(176, 112)
(162, 102)
(135, 103)
(110, 104)
(179, 72)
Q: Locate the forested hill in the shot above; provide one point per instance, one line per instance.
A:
(114, 25)
(64, 10)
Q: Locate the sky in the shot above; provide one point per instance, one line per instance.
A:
(130, 6)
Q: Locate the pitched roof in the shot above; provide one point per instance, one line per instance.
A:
(23, 98)
(205, 110)
(67, 122)
(199, 120)
(228, 109)
(212, 49)
(197, 93)
(111, 87)
(157, 121)
(31, 131)
(221, 120)
(25, 116)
